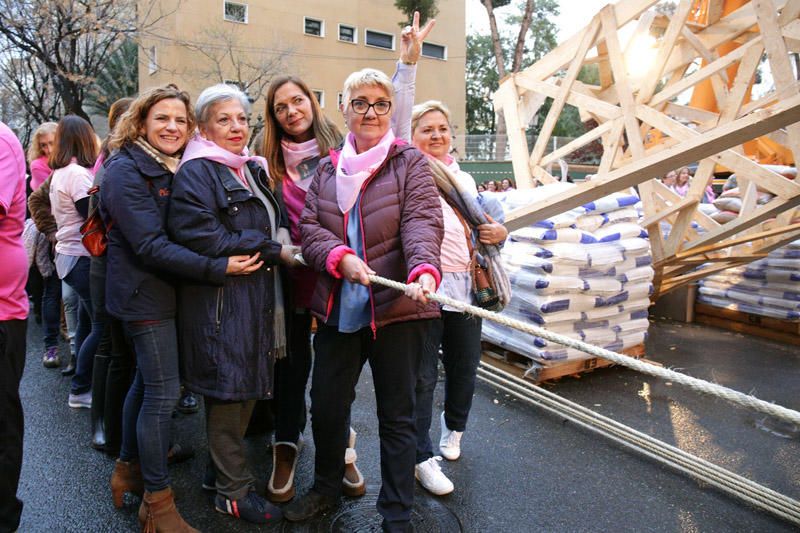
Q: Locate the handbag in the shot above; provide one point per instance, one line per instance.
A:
(483, 289)
(94, 232)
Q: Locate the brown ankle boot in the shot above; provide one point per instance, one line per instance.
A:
(353, 484)
(280, 487)
(158, 514)
(127, 477)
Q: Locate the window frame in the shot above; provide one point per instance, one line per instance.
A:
(339, 33)
(321, 27)
(444, 50)
(320, 97)
(233, 2)
(392, 35)
(152, 60)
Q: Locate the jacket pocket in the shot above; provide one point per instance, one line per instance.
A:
(219, 308)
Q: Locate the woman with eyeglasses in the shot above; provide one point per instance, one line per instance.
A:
(371, 208)
(296, 136)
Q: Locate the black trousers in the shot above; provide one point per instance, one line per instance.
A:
(394, 356)
(12, 363)
(291, 378)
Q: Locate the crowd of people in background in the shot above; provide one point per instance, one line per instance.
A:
(679, 181)
(215, 264)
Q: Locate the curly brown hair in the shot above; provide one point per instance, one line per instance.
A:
(132, 121)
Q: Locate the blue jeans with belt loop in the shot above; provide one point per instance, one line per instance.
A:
(148, 407)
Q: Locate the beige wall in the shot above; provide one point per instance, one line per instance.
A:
(323, 63)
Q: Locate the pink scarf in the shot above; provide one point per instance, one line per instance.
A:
(353, 169)
(200, 148)
(294, 154)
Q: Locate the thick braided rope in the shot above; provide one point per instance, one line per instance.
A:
(618, 358)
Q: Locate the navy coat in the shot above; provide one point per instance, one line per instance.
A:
(226, 333)
(142, 262)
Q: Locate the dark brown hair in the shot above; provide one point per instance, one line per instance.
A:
(75, 138)
(114, 112)
(325, 132)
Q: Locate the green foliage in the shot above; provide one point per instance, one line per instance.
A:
(118, 79)
(542, 35)
(427, 10)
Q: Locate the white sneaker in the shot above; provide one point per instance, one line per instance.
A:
(450, 442)
(80, 401)
(430, 476)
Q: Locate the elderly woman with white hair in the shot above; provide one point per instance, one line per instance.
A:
(371, 208)
(223, 204)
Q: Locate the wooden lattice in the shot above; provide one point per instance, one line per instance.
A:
(645, 133)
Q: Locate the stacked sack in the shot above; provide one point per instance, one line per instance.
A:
(767, 287)
(585, 273)
(729, 203)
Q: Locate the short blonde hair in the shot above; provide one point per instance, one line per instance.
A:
(34, 150)
(426, 107)
(364, 77)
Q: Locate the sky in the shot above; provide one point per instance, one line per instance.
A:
(574, 15)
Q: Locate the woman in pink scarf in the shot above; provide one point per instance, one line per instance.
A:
(296, 136)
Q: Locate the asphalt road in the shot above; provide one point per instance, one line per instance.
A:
(521, 469)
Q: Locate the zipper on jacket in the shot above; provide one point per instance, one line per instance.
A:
(218, 315)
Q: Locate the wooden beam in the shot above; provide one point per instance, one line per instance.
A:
(560, 100)
(639, 170)
(661, 214)
(696, 250)
(653, 76)
(578, 142)
(583, 101)
(506, 98)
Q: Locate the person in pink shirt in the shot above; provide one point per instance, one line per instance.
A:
(39, 153)
(13, 322)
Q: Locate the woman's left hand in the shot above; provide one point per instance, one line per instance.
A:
(492, 233)
(411, 39)
(418, 290)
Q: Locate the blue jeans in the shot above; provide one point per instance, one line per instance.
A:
(85, 342)
(147, 414)
(459, 335)
(51, 310)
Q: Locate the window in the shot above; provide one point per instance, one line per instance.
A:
(320, 95)
(379, 39)
(235, 12)
(152, 64)
(347, 33)
(436, 51)
(314, 27)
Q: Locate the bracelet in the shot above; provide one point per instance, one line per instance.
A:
(408, 62)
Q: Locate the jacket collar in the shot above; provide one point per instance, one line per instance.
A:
(148, 166)
(398, 146)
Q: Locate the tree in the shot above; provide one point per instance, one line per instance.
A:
(427, 10)
(72, 39)
(543, 11)
(119, 79)
(481, 81)
(29, 97)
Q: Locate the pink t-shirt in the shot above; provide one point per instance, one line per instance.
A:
(39, 172)
(455, 252)
(14, 263)
(69, 184)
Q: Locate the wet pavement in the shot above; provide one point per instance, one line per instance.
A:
(521, 468)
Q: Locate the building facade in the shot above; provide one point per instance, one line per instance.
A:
(196, 43)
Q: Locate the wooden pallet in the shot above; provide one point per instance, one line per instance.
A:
(520, 365)
(787, 331)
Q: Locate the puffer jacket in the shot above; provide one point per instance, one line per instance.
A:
(401, 225)
(226, 332)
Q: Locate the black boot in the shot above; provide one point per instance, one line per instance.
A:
(99, 379)
(70, 369)
(120, 376)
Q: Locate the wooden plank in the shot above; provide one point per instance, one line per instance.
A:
(777, 324)
(747, 329)
(741, 84)
(657, 164)
(739, 240)
(578, 99)
(579, 142)
(713, 68)
(698, 116)
(778, 57)
(557, 106)
(508, 98)
(661, 214)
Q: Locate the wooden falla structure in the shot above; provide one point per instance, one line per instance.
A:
(710, 47)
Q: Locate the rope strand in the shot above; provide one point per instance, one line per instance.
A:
(696, 384)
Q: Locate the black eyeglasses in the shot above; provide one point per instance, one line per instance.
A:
(361, 107)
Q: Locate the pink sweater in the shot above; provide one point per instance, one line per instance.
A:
(14, 265)
(39, 172)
